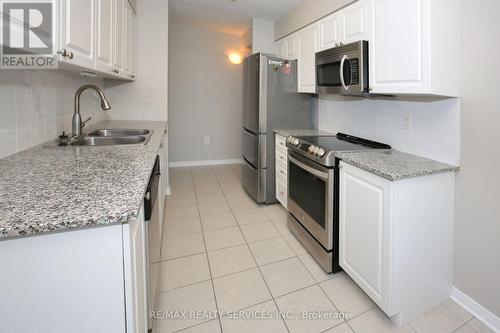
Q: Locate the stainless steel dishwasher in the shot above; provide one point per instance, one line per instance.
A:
(152, 218)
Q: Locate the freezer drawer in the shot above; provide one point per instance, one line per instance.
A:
(254, 181)
(254, 149)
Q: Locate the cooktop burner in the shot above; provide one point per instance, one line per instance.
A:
(322, 148)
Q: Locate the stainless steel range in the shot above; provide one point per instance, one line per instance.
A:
(313, 187)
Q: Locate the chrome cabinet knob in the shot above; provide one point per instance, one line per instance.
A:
(336, 44)
(340, 44)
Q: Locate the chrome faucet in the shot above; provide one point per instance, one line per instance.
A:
(77, 123)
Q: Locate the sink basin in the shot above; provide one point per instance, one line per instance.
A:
(119, 132)
(107, 141)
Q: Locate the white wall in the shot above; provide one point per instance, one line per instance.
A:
(306, 13)
(37, 105)
(477, 225)
(435, 125)
(205, 95)
(146, 97)
(262, 36)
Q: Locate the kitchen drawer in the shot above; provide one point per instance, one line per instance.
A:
(280, 141)
(281, 191)
(281, 156)
(281, 171)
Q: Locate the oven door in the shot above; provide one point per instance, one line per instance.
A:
(310, 197)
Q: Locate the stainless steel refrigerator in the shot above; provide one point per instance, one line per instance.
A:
(270, 101)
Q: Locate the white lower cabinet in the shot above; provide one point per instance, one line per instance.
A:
(396, 239)
(135, 268)
(281, 170)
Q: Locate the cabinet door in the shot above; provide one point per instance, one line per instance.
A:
(126, 38)
(308, 45)
(365, 231)
(329, 32)
(118, 34)
(104, 35)
(136, 267)
(291, 47)
(396, 61)
(356, 22)
(132, 45)
(78, 32)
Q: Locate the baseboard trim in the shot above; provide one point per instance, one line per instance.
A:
(203, 162)
(480, 312)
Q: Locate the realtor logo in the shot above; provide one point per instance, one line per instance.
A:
(27, 35)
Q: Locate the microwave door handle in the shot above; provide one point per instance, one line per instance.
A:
(344, 58)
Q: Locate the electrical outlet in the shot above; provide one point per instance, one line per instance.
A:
(206, 140)
(407, 121)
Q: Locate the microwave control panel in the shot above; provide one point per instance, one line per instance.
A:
(354, 64)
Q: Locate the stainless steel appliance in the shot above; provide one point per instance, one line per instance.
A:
(343, 69)
(270, 101)
(152, 218)
(313, 188)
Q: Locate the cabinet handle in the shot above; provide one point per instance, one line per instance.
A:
(65, 53)
(340, 44)
(161, 145)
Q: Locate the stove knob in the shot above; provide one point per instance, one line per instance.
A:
(311, 148)
(296, 142)
(289, 139)
(321, 152)
(315, 151)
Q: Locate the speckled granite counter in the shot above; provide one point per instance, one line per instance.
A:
(62, 188)
(300, 132)
(395, 165)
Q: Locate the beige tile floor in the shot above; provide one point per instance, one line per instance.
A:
(223, 252)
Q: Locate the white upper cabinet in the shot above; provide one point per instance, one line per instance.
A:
(97, 36)
(329, 31)
(308, 45)
(356, 22)
(288, 47)
(124, 40)
(77, 33)
(278, 46)
(291, 47)
(104, 35)
(118, 36)
(348, 25)
(415, 47)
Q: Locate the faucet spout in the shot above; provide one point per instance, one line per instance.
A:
(77, 123)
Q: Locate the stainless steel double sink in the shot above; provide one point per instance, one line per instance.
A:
(110, 137)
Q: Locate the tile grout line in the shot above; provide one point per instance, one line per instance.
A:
(262, 275)
(208, 264)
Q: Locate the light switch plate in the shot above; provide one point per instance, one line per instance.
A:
(407, 121)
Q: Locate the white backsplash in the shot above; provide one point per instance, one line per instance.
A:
(435, 132)
(38, 105)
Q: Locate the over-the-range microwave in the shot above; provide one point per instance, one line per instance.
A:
(343, 70)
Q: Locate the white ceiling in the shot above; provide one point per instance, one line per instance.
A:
(228, 16)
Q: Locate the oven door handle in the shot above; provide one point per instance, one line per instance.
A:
(344, 58)
(317, 173)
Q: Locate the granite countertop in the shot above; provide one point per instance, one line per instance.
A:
(394, 165)
(64, 188)
(301, 132)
